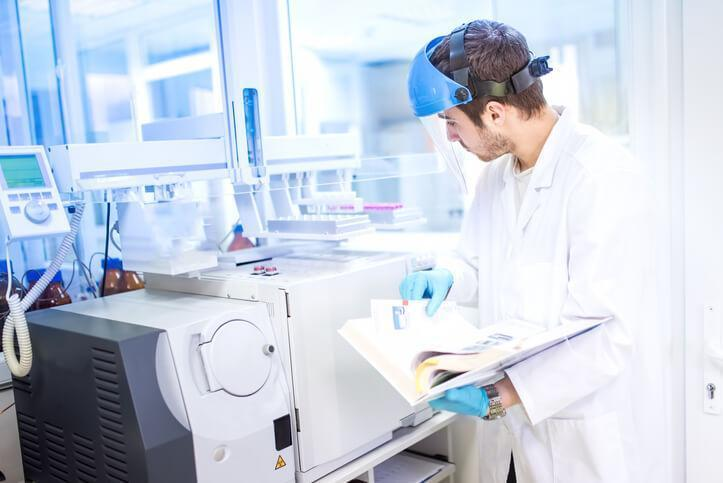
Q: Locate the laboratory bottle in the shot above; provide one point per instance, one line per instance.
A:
(239, 241)
(53, 295)
(17, 287)
(131, 281)
(113, 276)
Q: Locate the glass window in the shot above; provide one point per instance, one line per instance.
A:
(350, 69)
(11, 103)
(350, 72)
(35, 62)
(583, 41)
(143, 61)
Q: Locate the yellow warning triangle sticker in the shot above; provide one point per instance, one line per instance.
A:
(280, 463)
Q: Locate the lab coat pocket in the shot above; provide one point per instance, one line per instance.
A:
(588, 450)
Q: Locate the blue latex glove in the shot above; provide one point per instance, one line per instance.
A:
(428, 284)
(469, 400)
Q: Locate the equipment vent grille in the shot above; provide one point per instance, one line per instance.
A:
(57, 458)
(29, 442)
(24, 384)
(110, 414)
(85, 461)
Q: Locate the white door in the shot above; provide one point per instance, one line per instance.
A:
(703, 228)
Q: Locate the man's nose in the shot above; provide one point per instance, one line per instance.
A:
(452, 134)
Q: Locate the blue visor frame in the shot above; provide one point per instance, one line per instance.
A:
(430, 91)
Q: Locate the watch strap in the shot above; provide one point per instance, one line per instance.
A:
(496, 410)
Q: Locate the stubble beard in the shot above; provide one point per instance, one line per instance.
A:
(492, 146)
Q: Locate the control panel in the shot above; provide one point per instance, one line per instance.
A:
(31, 205)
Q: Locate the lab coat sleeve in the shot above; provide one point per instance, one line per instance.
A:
(608, 240)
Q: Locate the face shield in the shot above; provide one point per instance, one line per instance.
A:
(431, 93)
(451, 153)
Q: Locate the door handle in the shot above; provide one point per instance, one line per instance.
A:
(712, 361)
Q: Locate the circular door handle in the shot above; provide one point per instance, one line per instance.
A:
(235, 358)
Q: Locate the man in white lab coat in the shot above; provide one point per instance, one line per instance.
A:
(557, 233)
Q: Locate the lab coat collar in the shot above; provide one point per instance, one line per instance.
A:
(544, 169)
(542, 174)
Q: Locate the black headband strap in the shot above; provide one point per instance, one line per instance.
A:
(457, 57)
(518, 82)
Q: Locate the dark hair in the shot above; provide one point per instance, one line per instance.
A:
(494, 51)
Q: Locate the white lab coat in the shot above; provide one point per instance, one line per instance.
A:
(578, 249)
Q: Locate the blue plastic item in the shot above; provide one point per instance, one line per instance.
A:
(35, 274)
(469, 400)
(253, 130)
(430, 91)
(427, 284)
(112, 264)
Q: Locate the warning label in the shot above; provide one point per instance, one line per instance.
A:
(280, 463)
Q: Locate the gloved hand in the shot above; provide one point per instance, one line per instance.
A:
(428, 284)
(469, 400)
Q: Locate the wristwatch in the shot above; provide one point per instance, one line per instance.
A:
(496, 410)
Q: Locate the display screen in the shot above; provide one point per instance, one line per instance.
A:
(21, 171)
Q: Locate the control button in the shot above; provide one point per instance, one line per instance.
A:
(15, 210)
(47, 195)
(271, 271)
(258, 270)
(13, 197)
(53, 206)
(37, 212)
(24, 196)
(35, 196)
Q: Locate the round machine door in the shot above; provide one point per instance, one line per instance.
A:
(237, 358)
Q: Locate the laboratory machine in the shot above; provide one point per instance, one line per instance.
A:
(342, 407)
(29, 198)
(155, 386)
(225, 360)
(228, 365)
(30, 208)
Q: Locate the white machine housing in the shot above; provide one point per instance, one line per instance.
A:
(102, 166)
(343, 407)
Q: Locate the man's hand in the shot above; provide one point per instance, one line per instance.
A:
(427, 284)
(469, 400)
(473, 401)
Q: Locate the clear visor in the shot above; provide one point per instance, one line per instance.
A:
(451, 152)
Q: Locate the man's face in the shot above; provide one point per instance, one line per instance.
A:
(480, 141)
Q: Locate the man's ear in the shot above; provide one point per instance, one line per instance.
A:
(496, 111)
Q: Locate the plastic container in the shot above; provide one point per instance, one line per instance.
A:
(239, 241)
(53, 295)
